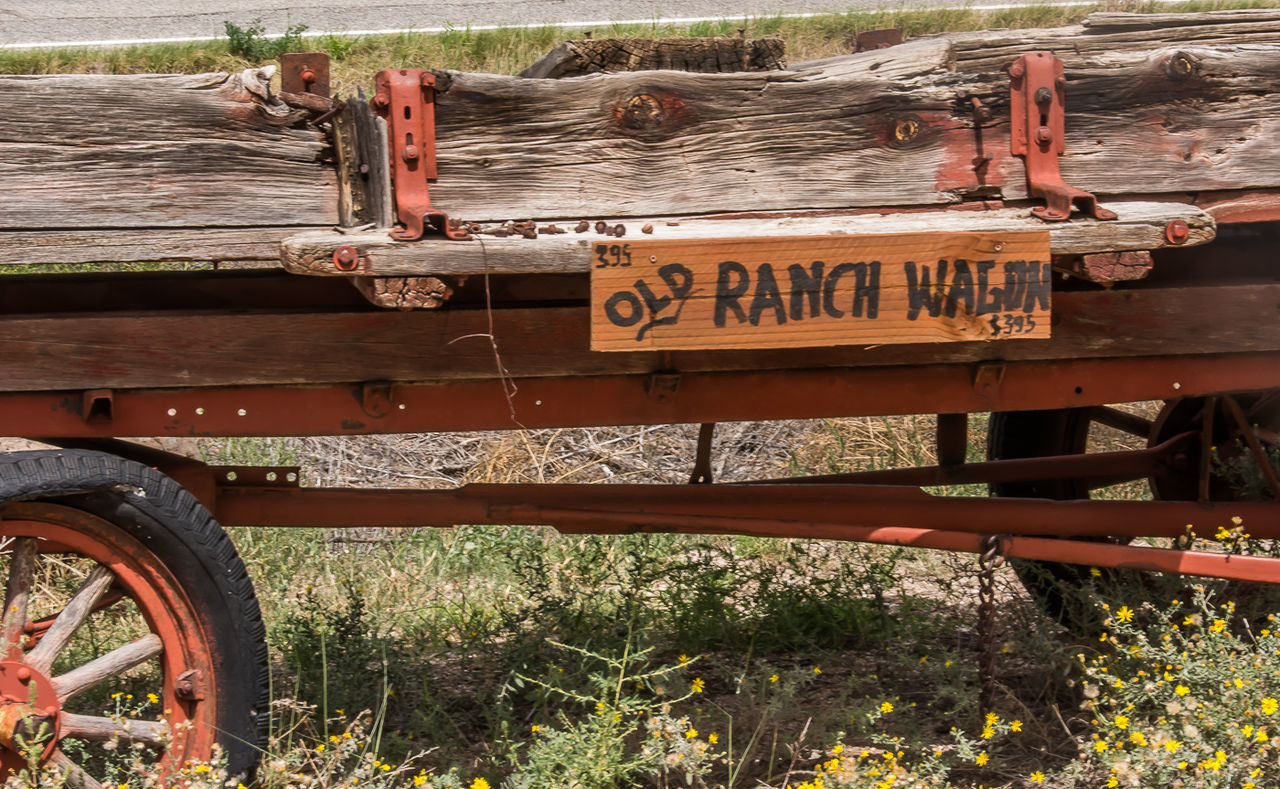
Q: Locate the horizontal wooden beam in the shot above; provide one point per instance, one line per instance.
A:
(1141, 225)
(156, 245)
(148, 150)
(1176, 108)
(150, 349)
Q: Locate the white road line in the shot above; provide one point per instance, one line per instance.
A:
(126, 42)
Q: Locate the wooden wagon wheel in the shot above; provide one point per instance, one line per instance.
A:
(1234, 430)
(131, 639)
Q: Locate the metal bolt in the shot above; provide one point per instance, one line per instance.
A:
(1177, 232)
(648, 228)
(24, 675)
(583, 226)
(410, 153)
(345, 258)
(308, 76)
(601, 227)
(381, 101)
(428, 80)
(1016, 70)
(1044, 135)
(1043, 96)
(619, 230)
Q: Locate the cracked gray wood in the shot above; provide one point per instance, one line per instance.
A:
(1175, 108)
(143, 151)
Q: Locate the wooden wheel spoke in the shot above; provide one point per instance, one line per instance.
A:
(94, 728)
(1246, 432)
(109, 665)
(75, 775)
(22, 568)
(66, 624)
(1122, 420)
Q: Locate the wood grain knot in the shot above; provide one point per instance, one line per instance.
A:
(1181, 67)
(651, 114)
(905, 131)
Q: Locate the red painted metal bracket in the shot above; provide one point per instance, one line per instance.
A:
(406, 98)
(1037, 132)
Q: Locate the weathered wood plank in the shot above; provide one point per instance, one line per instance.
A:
(59, 247)
(1140, 225)
(207, 150)
(1128, 21)
(1182, 107)
(161, 350)
(807, 291)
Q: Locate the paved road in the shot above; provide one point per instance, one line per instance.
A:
(64, 21)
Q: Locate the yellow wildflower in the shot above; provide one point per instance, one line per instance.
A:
(886, 707)
(1038, 777)
(697, 685)
(981, 759)
(1269, 706)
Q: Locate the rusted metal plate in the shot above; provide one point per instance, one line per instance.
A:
(877, 39)
(813, 291)
(305, 72)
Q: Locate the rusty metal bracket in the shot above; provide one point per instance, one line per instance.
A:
(406, 99)
(884, 38)
(305, 72)
(1037, 132)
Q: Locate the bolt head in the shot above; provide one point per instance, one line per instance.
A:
(1177, 232)
(1017, 69)
(1043, 96)
(24, 674)
(308, 76)
(410, 153)
(1044, 135)
(345, 258)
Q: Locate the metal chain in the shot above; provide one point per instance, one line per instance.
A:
(991, 558)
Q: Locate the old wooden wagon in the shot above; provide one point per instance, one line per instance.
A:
(1039, 224)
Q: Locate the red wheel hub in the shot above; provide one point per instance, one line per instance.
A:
(29, 711)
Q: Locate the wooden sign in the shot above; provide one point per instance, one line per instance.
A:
(807, 291)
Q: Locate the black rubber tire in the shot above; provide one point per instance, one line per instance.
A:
(1055, 587)
(183, 536)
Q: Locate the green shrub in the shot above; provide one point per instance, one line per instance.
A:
(250, 43)
(1182, 694)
